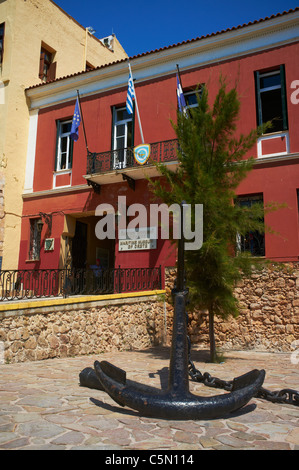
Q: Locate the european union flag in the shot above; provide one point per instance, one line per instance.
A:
(130, 95)
(76, 122)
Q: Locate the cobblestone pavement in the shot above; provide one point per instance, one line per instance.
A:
(42, 406)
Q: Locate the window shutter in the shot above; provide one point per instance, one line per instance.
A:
(71, 152)
(133, 124)
(2, 30)
(52, 72)
(258, 99)
(41, 65)
(57, 141)
(112, 130)
(283, 98)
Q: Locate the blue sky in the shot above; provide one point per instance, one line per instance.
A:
(142, 26)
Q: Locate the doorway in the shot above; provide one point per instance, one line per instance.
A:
(79, 246)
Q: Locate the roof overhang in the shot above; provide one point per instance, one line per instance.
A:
(262, 35)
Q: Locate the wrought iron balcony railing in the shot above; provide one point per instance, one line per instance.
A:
(124, 158)
(40, 283)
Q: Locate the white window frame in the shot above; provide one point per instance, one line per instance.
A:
(192, 92)
(123, 122)
(61, 135)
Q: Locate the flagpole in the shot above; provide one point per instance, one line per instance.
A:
(136, 104)
(82, 121)
(185, 109)
(179, 75)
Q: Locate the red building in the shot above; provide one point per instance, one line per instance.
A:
(65, 182)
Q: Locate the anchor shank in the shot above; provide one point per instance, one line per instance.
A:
(178, 381)
(181, 257)
(178, 367)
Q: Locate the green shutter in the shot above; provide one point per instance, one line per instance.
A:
(258, 99)
(57, 140)
(133, 124)
(71, 152)
(283, 98)
(112, 130)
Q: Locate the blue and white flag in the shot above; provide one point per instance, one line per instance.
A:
(130, 94)
(76, 122)
(181, 99)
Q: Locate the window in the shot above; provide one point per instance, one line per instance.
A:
(271, 99)
(1, 42)
(35, 239)
(122, 139)
(192, 97)
(254, 242)
(47, 68)
(64, 149)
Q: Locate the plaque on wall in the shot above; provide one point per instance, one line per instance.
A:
(144, 238)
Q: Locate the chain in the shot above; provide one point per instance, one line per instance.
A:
(208, 380)
(287, 395)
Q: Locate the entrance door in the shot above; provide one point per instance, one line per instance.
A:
(79, 246)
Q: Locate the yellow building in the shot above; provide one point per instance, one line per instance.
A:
(38, 42)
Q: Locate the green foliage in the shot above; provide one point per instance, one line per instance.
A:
(212, 165)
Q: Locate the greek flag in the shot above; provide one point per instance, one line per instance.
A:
(181, 99)
(130, 94)
(76, 122)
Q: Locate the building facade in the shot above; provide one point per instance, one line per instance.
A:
(39, 42)
(67, 181)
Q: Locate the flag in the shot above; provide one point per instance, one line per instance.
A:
(76, 122)
(130, 94)
(181, 99)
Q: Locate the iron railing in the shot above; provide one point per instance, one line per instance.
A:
(43, 283)
(120, 159)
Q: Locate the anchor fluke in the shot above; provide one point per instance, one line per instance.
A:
(177, 402)
(169, 404)
(114, 372)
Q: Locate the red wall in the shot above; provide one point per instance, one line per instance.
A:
(157, 105)
(87, 201)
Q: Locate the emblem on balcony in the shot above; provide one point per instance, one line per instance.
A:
(142, 153)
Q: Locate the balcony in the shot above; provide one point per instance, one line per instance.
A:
(117, 165)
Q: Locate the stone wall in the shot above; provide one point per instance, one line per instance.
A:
(268, 321)
(45, 332)
(269, 312)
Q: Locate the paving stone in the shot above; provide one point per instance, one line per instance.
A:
(233, 442)
(40, 429)
(183, 436)
(70, 438)
(246, 436)
(6, 437)
(40, 401)
(209, 442)
(15, 444)
(44, 408)
(293, 437)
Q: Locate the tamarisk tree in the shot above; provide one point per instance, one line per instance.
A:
(212, 163)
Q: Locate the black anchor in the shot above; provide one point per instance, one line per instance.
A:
(176, 402)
